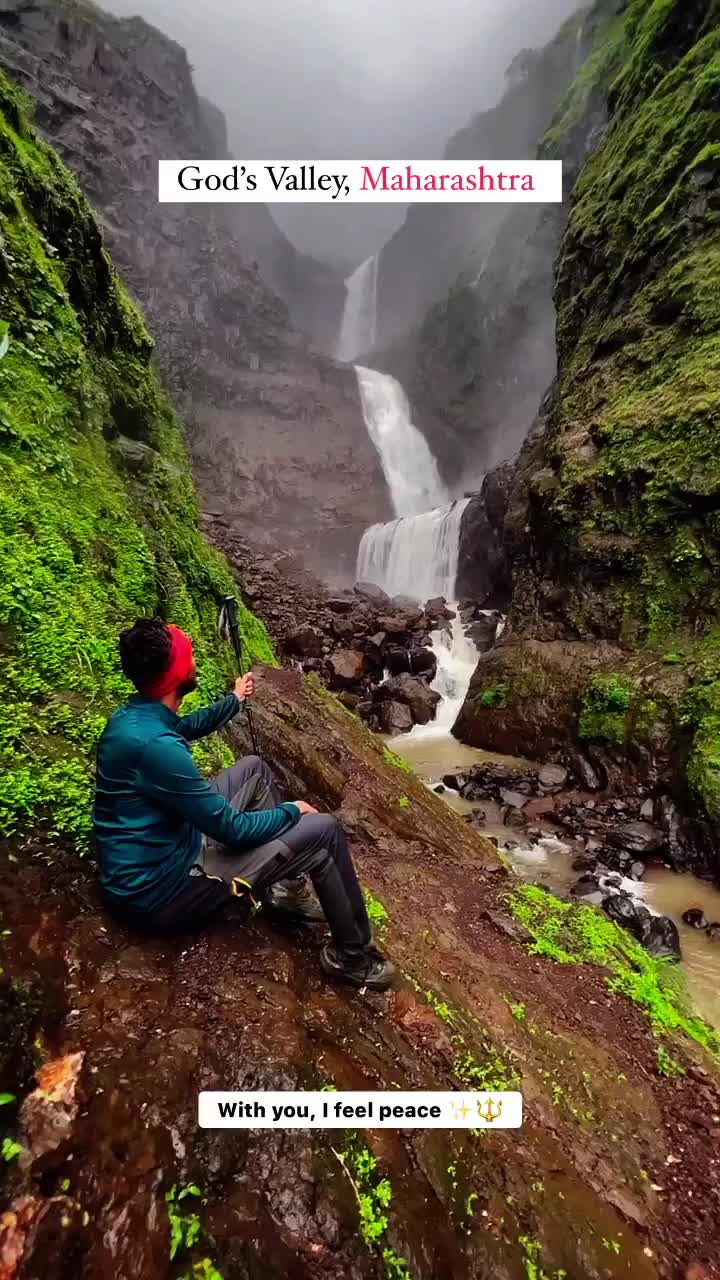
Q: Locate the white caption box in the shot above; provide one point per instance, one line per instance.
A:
(359, 182)
(358, 1110)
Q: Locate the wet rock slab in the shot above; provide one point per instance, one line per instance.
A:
(244, 1006)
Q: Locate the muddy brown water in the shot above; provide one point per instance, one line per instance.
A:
(662, 890)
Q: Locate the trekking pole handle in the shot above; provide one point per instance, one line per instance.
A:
(230, 607)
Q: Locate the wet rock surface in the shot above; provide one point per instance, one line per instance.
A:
(242, 1005)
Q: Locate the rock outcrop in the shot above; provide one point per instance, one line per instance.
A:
(276, 430)
(608, 524)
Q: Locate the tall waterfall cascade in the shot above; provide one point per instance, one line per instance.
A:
(415, 555)
(408, 465)
(358, 328)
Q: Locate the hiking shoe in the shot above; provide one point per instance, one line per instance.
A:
(370, 969)
(295, 900)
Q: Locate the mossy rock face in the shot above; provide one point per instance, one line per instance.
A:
(97, 508)
(558, 700)
(613, 528)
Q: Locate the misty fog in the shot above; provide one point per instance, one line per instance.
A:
(308, 78)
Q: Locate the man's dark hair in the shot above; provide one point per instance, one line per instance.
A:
(145, 651)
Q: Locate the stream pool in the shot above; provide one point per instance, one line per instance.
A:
(433, 755)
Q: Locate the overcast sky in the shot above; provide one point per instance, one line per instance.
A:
(373, 79)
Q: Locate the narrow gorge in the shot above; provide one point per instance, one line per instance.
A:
(459, 465)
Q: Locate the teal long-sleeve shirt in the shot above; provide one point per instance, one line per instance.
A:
(152, 804)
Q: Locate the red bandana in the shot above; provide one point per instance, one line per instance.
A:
(179, 666)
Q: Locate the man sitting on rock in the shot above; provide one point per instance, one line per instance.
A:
(173, 847)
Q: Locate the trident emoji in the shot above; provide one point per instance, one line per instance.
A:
(492, 1111)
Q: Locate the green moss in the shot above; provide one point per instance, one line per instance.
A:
(534, 1270)
(98, 516)
(493, 697)
(374, 1196)
(392, 758)
(377, 914)
(605, 705)
(575, 933)
(638, 329)
(667, 1065)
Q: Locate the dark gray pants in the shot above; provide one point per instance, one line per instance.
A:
(316, 846)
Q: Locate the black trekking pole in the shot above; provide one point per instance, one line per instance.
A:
(228, 626)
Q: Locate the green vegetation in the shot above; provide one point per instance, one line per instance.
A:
(480, 1066)
(575, 933)
(604, 709)
(404, 802)
(638, 328)
(493, 697)
(667, 1065)
(391, 757)
(516, 1008)
(185, 1228)
(98, 517)
(377, 913)
(493, 1074)
(9, 1149)
(202, 1270)
(531, 1258)
(373, 1195)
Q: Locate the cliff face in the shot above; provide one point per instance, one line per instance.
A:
(610, 522)
(437, 244)
(479, 362)
(98, 516)
(275, 429)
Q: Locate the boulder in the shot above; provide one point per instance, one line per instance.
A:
(514, 798)
(397, 660)
(395, 624)
(657, 934)
(513, 817)
(343, 628)
(416, 694)
(482, 632)
(348, 665)
(423, 662)
(305, 641)
(340, 604)
(552, 778)
(368, 591)
(49, 1113)
(587, 776)
(437, 609)
(639, 838)
(695, 917)
(395, 717)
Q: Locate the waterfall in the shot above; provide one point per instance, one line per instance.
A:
(416, 556)
(358, 328)
(408, 465)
